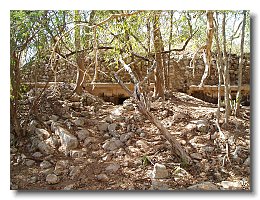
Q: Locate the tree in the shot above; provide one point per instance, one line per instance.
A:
(240, 72)
(158, 46)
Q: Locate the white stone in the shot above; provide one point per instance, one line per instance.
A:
(159, 171)
(203, 186)
(52, 179)
(68, 141)
(202, 126)
(247, 162)
(236, 185)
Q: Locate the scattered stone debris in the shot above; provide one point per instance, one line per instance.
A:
(88, 144)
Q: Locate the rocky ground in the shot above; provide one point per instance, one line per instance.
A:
(83, 143)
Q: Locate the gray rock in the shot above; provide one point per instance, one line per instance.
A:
(102, 177)
(112, 145)
(32, 126)
(52, 179)
(203, 186)
(231, 185)
(69, 187)
(196, 156)
(79, 122)
(159, 171)
(112, 167)
(82, 134)
(128, 105)
(54, 118)
(37, 155)
(32, 179)
(45, 164)
(103, 127)
(112, 128)
(142, 144)
(142, 134)
(68, 141)
(53, 141)
(29, 163)
(45, 148)
(77, 153)
(202, 126)
(88, 141)
(247, 162)
(75, 171)
(125, 137)
(158, 184)
(191, 127)
(42, 133)
(61, 167)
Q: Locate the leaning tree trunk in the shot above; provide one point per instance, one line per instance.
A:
(158, 44)
(143, 104)
(238, 96)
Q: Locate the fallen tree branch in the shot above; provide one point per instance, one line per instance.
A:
(143, 106)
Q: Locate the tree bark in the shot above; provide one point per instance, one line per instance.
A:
(226, 71)
(158, 45)
(79, 55)
(240, 66)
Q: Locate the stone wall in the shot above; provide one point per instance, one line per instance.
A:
(181, 74)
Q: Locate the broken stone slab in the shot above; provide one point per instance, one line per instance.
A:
(52, 179)
(159, 171)
(204, 186)
(68, 141)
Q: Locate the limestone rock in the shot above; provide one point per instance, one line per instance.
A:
(45, 164)
(112, 145)
(29, 163)
(159, 171)
(202, 126)
(82, 134)
(68, 141)
(45, 148)
(112, 167)
(203, 186)
(231, 185)
(42, 133)
(61, 167)
(75, 171)
(102, 177)
(196, 156)
(103, 127)
(52, 179)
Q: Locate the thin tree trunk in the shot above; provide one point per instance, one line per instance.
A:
(158, 44)
(240, 66)
(226, 71)
(219, 67)
(79, 55)
(167, 78)
(207, 52)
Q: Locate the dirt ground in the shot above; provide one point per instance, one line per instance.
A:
(224, 162)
